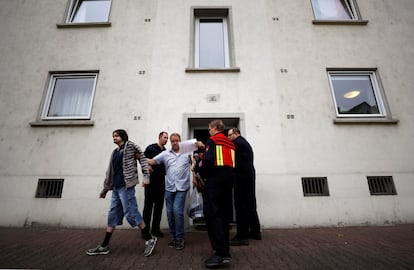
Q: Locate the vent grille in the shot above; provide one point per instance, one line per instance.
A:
(381, 185)
(315, 186)
(49, 188)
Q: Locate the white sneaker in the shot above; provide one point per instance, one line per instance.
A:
(99, 250)
(149, 246)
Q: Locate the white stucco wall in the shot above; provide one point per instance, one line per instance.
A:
(268, 36)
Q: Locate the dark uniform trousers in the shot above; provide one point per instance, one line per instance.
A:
(154, 199)
(246, 207)
(217, 196)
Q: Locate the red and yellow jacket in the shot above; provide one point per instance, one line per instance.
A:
(224, 151)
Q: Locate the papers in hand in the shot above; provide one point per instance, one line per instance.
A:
(188, 146)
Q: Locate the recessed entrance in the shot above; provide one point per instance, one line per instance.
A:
(196, 126)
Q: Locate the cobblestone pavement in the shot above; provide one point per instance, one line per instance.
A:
(389, 247)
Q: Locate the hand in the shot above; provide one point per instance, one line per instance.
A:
(102, 195)
(200, 144)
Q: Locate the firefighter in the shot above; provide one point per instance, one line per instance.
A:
(217, 194)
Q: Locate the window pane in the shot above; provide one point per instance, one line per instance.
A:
(211, 50)
(354, 94)
(71, 97)
(91, 11)
(332, 9)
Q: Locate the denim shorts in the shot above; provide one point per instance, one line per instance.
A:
(124, 203)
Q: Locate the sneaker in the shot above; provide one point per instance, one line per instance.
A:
(149, 246)
(179, 244)
(226, 260)
(171, 244)
(216, 261)
(99, 250)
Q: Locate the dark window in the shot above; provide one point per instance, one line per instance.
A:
(315, 186)
(49, 188)
(381, 185)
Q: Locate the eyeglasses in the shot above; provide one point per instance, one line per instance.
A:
(230, 134)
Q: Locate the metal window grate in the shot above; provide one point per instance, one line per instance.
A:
(315, 186)
(49, 188)
(381, 185)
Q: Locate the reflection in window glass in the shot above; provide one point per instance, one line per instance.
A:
(356, 94)
(90, 11)
(334, 9)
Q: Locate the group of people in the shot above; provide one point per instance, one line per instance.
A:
(226, 163)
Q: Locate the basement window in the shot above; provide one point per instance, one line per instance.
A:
(381, 185)
(49, 188)
(315, 186)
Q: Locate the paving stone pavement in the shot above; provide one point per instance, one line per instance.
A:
(373, 247)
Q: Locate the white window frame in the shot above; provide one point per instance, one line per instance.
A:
(350, 6)
(225, 40)
(378, 93)
(51, 88)
(73, 7)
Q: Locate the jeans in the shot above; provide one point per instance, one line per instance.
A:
(174, 204)
(124, 203)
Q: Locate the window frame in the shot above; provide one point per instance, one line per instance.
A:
(352, 9)
(50, 89)
(70, 14)
(380, 98)
(200, 13)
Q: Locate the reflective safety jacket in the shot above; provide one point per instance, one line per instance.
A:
(224, 151)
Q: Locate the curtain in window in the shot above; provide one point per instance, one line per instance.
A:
(333, 9)
(71, 97)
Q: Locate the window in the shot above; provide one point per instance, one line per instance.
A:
(88, 11)
(49, 188)
(381, 185)
(212, 47)
(69, 96)
(357, 93)
(335, 10)
(315, 186)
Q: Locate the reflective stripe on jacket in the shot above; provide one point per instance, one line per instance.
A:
(225, 151)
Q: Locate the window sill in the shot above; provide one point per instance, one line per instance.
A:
(388, 121)
(218, 70)
(62, 123)
(341, 22)
(82, 25)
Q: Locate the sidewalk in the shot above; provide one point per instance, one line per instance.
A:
(390, 247)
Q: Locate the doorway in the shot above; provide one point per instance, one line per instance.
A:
(196, 126)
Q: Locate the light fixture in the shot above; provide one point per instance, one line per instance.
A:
(352, 94)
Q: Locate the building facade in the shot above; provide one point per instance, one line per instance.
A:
(320, 88)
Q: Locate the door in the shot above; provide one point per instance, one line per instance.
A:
(198, 128)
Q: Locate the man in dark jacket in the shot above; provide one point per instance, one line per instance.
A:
(154, 192)
(248, 225)
(218, 164)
